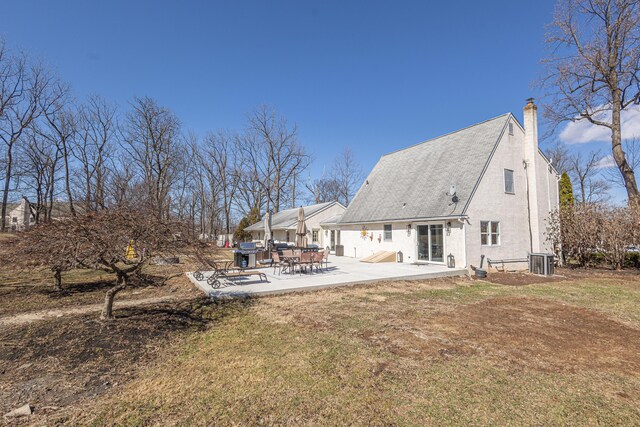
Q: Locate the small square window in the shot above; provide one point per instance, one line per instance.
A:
(14, 219)
(387, 232)
(509, 185)
(489, 233)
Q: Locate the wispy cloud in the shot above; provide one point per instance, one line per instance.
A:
(606, 162)
(582, 131)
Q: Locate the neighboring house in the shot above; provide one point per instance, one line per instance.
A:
(20, 216)
(486, 189)
(284, 223)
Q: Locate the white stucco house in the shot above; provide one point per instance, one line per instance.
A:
(485, 189)
(284, 223)
(20, 216)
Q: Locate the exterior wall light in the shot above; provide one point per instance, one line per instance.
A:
(409, 230)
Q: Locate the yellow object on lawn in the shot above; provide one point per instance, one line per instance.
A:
(131, 252)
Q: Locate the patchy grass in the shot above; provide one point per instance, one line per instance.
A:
(443, 352)
(62, 362)
(23, 291)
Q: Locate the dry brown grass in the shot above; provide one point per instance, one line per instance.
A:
(446, 352)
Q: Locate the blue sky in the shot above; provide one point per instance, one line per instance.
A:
(375, 76)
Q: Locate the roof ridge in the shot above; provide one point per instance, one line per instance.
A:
(448, 133)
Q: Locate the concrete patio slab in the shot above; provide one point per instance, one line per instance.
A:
(342, 271)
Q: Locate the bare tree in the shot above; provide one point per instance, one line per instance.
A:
(40, 162)
(593, 73)
(58, 131)
(323, 190)
(94, 145)
(584, 171)
(559, 156)
(222, 152)
(21, 86)
(272, 155)
(118, 241)
(152, 140)
(632, 149)
(348, 175)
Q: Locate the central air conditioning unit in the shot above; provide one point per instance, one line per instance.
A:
(542, 264)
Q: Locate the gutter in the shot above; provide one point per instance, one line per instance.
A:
(460, 218)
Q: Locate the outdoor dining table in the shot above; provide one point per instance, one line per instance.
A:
(291, 260)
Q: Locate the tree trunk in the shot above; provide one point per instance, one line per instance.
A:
(57, 284)
(5, 194)
(67, 183)
(618, 154)
(107, 309)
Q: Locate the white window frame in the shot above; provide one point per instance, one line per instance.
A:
(315, 236)
(384, 233)
(513, 181)
(490, 234)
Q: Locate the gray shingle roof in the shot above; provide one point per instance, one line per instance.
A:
(288, 219)
(332, 220)
(413, 183)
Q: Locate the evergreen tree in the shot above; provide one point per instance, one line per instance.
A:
(566, 191)
(241, 235)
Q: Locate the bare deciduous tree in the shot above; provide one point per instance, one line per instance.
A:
(348, 175)
(272, 155)
(22, 85)
(559, 156)
(101, 241)
(152, 140)
(593, 73)
(95, 144)
(323, 190)
(221, 151)
(632, 150)
(584, 171)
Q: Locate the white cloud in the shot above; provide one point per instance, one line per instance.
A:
(606, 162)
(582, 131)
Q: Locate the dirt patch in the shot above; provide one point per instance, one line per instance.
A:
(519, 279)
(56, 363)
(543, 335)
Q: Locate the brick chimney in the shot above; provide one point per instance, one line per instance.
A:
(530, 158)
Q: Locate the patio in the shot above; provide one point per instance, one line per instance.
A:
(342, 271)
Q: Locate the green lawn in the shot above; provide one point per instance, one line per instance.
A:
(431, 353)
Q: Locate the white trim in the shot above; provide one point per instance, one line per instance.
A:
(489, 233)
(412, 220)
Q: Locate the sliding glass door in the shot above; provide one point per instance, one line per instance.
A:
(431, 243)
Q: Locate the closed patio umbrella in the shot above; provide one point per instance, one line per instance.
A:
(267, 229)
(301, 230)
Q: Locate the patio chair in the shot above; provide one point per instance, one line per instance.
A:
(306, 260)
(317, 260)
(325, 259)
(278, 263)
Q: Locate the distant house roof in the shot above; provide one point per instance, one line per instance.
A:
(332, 220)
(414, 183)
(288, 219)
